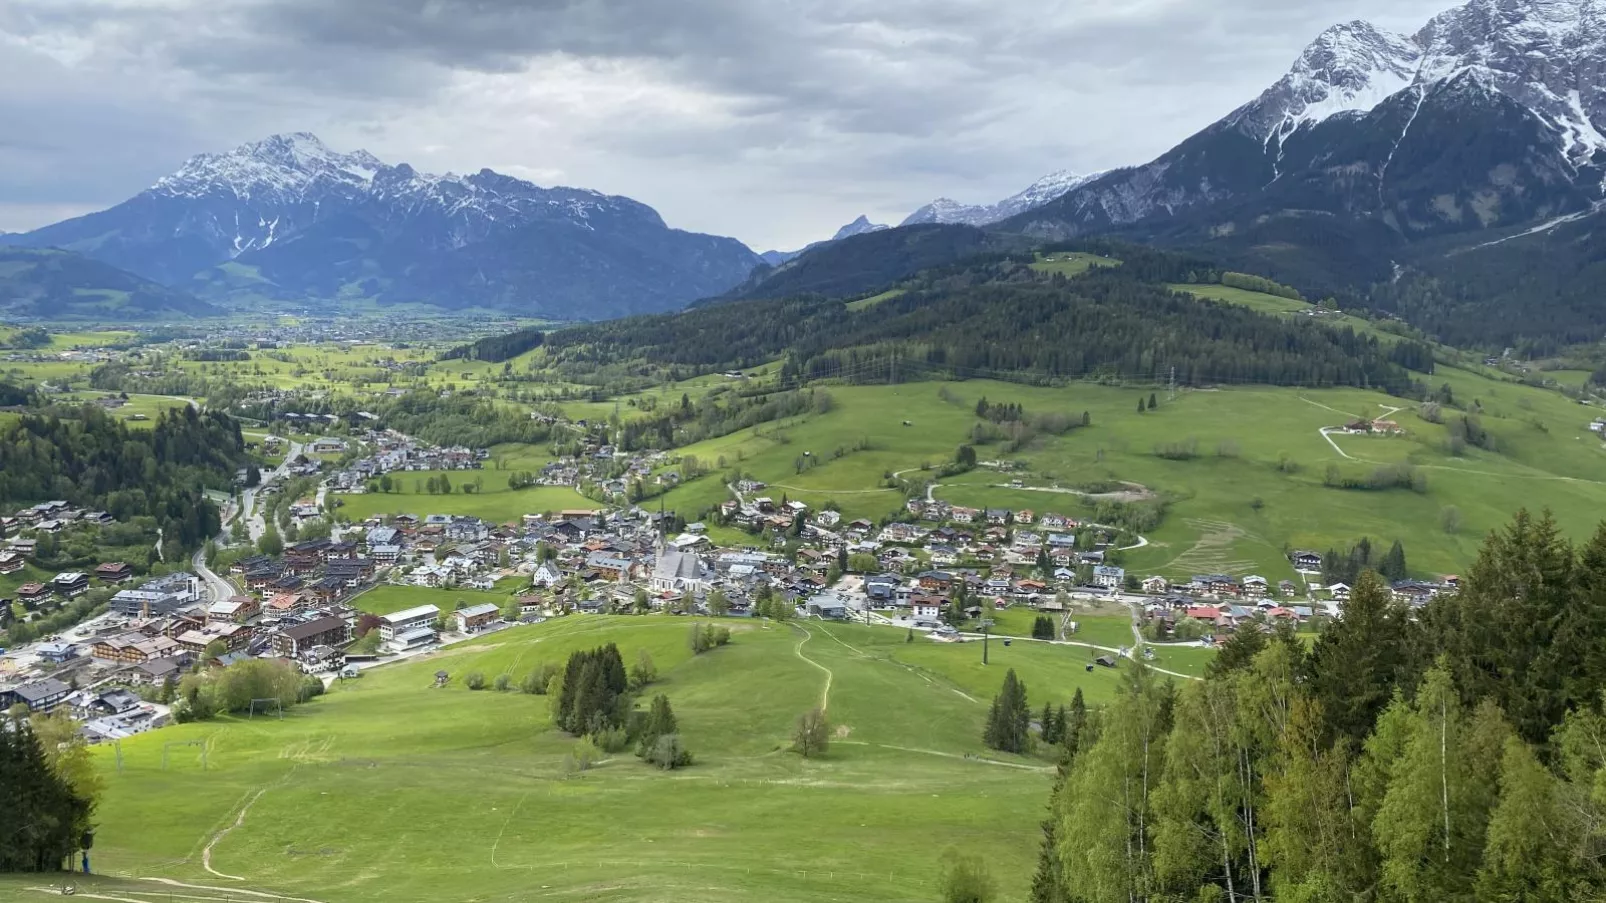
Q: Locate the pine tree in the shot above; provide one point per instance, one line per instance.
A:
(1075, 728)
(1513, 634)
(1009, 718)
(1360, 658)
(1393, 566)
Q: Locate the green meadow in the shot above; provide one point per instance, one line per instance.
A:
(1252, 489)
(389, 790)
(494, 502)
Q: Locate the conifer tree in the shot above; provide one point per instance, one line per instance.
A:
(1009, 719)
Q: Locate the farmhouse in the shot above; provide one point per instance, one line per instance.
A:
(1305, 560)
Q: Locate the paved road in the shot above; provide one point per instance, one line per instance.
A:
(213, 587)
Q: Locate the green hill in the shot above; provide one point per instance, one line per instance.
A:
(56, 285)
(388, 790)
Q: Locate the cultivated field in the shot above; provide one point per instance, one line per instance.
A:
(388, 790)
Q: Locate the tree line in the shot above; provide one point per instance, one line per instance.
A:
(1449, 754)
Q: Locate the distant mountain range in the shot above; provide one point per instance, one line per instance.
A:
(1040, 192)
(1446, 175)
(288, 219)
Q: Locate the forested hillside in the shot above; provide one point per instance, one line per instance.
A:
(95, 461)
(874, 260)
(1001, 314)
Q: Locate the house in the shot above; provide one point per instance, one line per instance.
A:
(476, 618)
(12, 562)
(1286, 588)
(329, 445)
(1305, 560)
(1254, 586)
(1109, 576)
(925, 609)
(114, 572)
(39, 696)
(998, 517)
(1339, 592)
(1155, 585)
(158, 671)
(31, 594)
(298, 639)
(547, 575)
(608, 567)
(56, 653)
(1388, 427)
(936, 581)
(71, 583)
(1024, 516)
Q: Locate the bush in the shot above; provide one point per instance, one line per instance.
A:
(611, 740)
(643, 672)
(967, 880)
(474, 681)
(537, 682)
(503, 683)
(669, 753)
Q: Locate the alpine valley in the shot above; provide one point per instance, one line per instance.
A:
(1454, 177)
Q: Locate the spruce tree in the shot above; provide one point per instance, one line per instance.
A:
(1009, 719)
(1361, 658)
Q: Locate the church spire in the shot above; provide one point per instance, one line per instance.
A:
(661, 539)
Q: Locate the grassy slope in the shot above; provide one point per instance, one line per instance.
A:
(1545, 458)
(388, 790)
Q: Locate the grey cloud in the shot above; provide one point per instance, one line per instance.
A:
(878, 105)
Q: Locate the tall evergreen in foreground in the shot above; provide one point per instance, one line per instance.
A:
(1457, 754)
(41, 817)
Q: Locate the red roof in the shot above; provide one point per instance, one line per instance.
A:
(1204, 612)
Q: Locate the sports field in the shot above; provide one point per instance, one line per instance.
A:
(389, 790)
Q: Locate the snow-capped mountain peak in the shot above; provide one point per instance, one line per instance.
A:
(1349, 68)
(281, 167)
(1040, 192)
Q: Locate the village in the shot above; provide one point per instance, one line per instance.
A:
(938, 571)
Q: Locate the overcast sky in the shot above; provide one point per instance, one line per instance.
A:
(771, 120)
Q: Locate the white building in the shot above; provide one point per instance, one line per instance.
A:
(399, 622)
